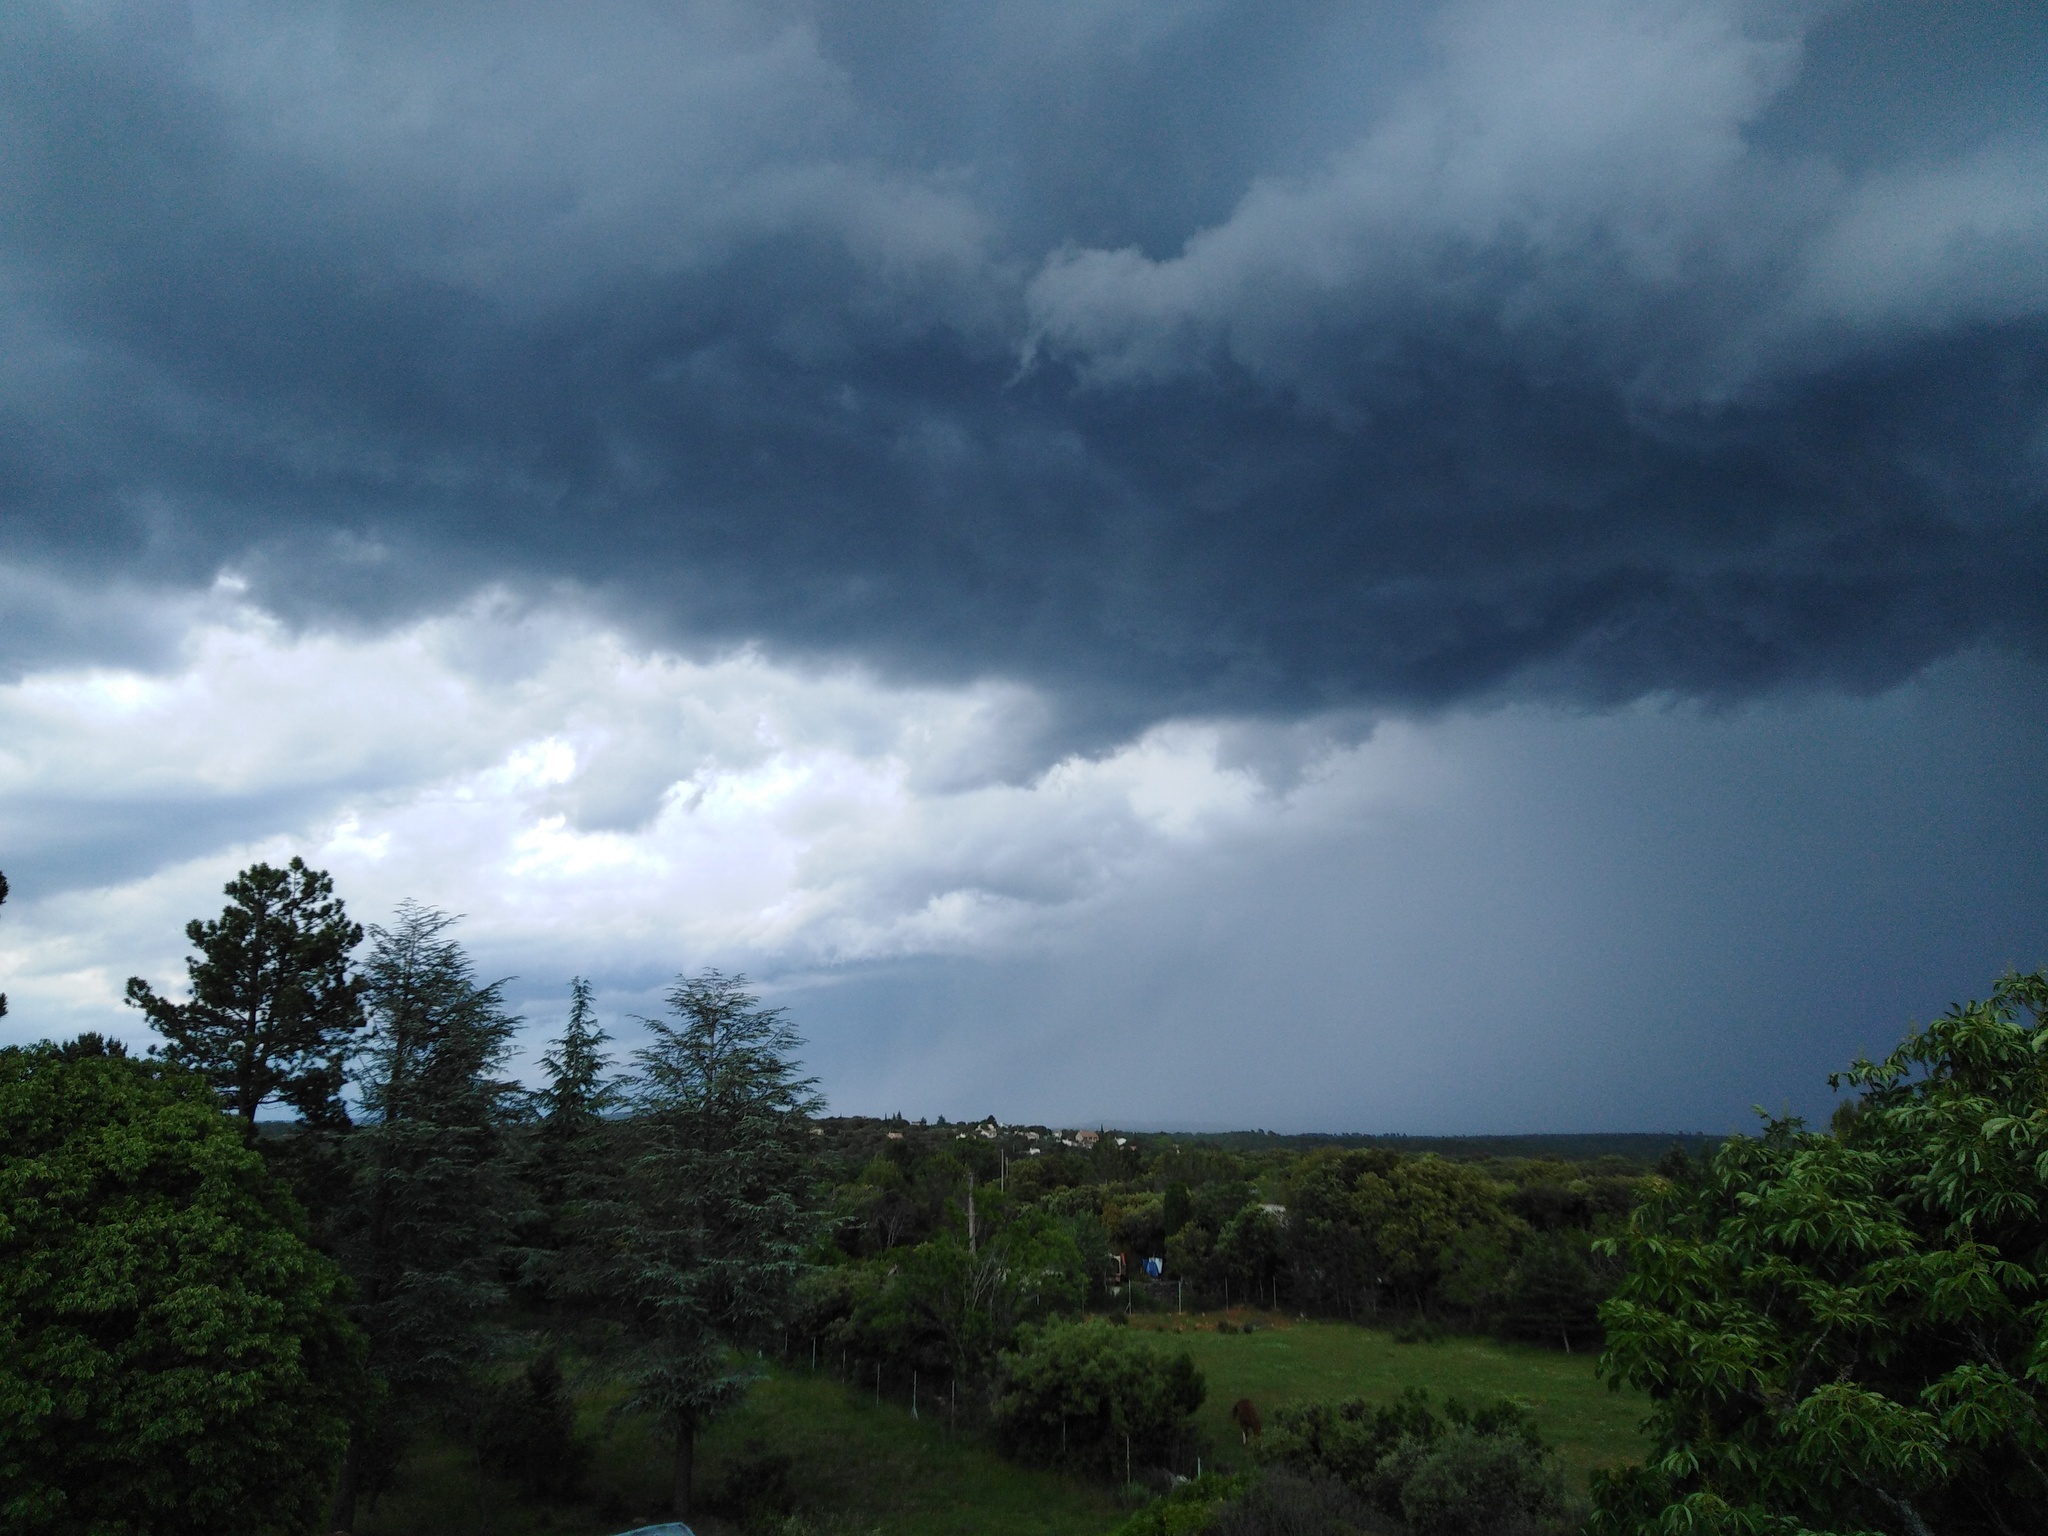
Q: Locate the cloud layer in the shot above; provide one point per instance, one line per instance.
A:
(1161, 357)
(1512, 919)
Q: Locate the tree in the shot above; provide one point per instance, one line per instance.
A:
(173, 1353)
(1414, 1208)
(428, 1208)
(569, 1168)
(274, 1008)
(721, 1203)
(1844, 1333)
(1096, 1397)
(3, 902)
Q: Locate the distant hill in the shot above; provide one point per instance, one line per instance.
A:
(1642, 1147)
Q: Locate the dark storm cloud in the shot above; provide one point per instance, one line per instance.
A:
(1176, 356)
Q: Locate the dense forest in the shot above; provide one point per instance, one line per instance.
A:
(245, 1273)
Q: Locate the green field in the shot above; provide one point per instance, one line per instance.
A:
(874, 1467)
(878, 1470)
(1287, 1360)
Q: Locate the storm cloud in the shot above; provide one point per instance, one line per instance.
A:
(1167, 357)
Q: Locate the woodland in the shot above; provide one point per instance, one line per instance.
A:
(312, 1249)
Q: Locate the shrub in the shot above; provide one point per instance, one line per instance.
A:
(1283, 1503)
(529, 1433)
(1187, 1510)
(756, 1487)
(1096, 1398)
(1466, 1483)
(1463, 1471)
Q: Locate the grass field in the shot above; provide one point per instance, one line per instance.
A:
(878, 1470)
(1287, 1360)
(874, 1467)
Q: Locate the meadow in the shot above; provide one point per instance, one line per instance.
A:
(1285, 1360)
(859, 1466)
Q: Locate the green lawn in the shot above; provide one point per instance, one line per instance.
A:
(878, 1471)
(1287, 1360)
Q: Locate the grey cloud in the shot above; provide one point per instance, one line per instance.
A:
(1172, 357)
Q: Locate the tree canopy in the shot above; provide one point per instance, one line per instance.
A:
(1849, 1332)
(720, 1203)
(173, 1355)
(274, 1006)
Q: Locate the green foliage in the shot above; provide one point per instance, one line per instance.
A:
(528, 1432)
(1189, 1509)
(274, 1008)
(1464, 1469)
(570, 1170)
(1554, 1293)
(1282, 1503)
(173, 1357)
(1415, 1208)
(428, 1207)
(1846, 1333)
(721, 1206)
(945, 1305)
(1096, 1398)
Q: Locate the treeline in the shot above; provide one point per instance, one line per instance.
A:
(945, 1241)
(217, 1322)
(212, 1321)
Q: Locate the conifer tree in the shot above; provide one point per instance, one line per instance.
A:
(721, 1206)
(570, 1169)
(275, 1008)
(428, 1208)
(3, 902)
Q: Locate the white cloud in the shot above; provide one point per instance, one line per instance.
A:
(587, 805)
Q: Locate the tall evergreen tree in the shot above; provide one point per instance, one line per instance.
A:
(721, 1207)
(428, 1207)
(3, 902)
(571, 1166)
(275, 1008)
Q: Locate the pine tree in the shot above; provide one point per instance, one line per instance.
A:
(571, 1166)
(274, 1009)
(721, 1205)
(428, 1209)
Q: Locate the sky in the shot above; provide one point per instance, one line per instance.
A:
(1418, 568)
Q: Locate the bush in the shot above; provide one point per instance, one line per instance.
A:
(1283, 1503)
(1466, 1483)
(1096, 1398)
(529, 1433)
(1187, 1510)
(1463, 1471)
(756, 1485)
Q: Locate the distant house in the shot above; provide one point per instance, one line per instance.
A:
(1086, 1139)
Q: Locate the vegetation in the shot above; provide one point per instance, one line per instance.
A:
(719, 1203)
(520, 1310)
(274, 1009)
(173, 1356)
(1088, 1396)
(1849, 1332)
